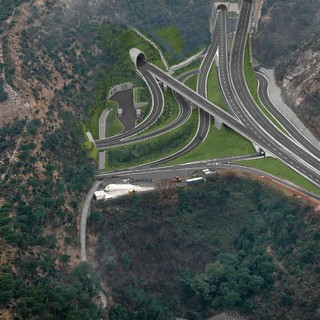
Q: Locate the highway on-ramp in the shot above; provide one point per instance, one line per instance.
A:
(157, 108)
(184, 114)
(270, 137)
(249, 120)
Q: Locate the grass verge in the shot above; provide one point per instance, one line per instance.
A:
(213, 89)
(152, 149)
(93, 125)
(172, 36)
(113, 126)
(192, 82)
(252, 83)
(192, 66)
(279, 169)
(218, 144)
(169, 114)
(90, 148)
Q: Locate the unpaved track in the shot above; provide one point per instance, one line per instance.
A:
(83, 220)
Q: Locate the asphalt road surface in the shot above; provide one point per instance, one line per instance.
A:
(184, 114)
(156, 110)
(269, 137)
(294, 132)
(186, 170)
(125, 101)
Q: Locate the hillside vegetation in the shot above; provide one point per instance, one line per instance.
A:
(283, 27)
(62, 57)
(229, 244)
(288, 40)
(191, 18)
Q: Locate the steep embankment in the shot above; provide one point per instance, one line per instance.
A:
(181, 27)
(283, 27)
(288, 40)
(299, 75)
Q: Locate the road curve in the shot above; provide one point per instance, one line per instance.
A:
(295, 133)
(156, 110)
(229, 120)
(199, 165)
(184, 114)
(269, 137)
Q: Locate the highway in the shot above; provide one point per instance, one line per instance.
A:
(195, 98)
(249, 129)
(223, 67)
(204, 117)
(270, 138)
(184, 115)
(187, 169)
(248, 120)
(202, 81)
(291, 129)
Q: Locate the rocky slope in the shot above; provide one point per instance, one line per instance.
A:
(299, 75)
(283, 27)
(288, 40)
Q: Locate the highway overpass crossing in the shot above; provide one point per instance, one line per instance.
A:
(307, 170)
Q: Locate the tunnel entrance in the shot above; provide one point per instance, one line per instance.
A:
(221, 7)
(138, 57)
(141, 60)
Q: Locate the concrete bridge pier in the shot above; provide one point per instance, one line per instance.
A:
(216, 58)
(262, 151)
(218, 123)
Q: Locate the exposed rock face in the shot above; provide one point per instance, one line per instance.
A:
(281, 42)
(283, 27)
(299, 75)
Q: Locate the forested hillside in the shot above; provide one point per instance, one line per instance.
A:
(190, 18)
(61, 58)
(283, 27)
(228, 245)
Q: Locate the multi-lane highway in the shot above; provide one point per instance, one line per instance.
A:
(204, 117)
(270, 137)
(131, 137)
(157, 108)
(247, 118)
(291, 129)
(253, 124)
(262, 133)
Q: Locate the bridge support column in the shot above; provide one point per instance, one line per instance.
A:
(262, 152)
(218, 123)
(102, 160)
(216, 58)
